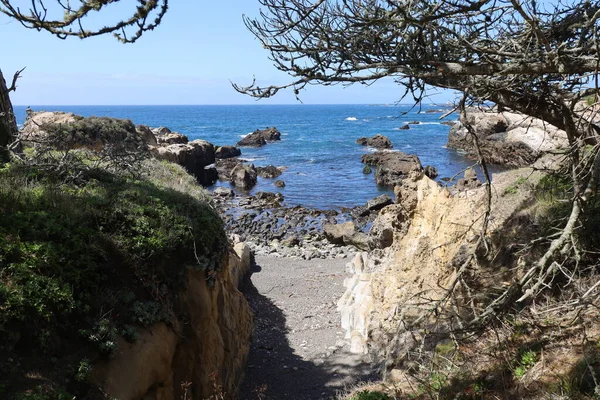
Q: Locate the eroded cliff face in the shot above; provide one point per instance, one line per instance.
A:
(201, 354)
(434, 230)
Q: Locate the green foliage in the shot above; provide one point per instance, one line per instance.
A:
(512, 189)
(92, 260)
(367, 170)
(370, 395)
(527, 360)
(45, 393)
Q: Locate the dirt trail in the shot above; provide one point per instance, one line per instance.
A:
(298, 351)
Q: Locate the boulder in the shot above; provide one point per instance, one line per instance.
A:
(244, 176)
(223, 192)
(225, 166)
(269, 197)
(430, 171)
(335, 233)
(506, 138)
(259, 137)
(227, 152)
(279, 183)
(469, 181)
(379, 202)
(172, 138)
(360, 240)
(269, 172)
(193, 156)
(378, 141)
(146, 134)
(404, 127)
(392, 167)
(62, 131)
(414, 123)
(163, 130)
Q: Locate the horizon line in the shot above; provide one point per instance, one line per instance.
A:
(222, 104)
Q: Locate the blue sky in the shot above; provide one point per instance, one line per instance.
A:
(189, 59)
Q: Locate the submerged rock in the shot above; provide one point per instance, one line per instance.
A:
(268, 172)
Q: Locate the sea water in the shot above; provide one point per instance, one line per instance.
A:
(318, 146)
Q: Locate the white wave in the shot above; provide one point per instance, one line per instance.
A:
(407, 146)
(430, 123)
(366, 120)
(243, 136)
(351, 119)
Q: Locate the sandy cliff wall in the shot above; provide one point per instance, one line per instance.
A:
(206, 347)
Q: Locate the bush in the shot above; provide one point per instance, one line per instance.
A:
(83, 262)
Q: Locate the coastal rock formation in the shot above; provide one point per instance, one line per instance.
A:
(225, 166)
(427, 237)
(336, 233)
(269, 172)
(194, 156)
(244, 176)
(379, 202)
(506, 138)
(392, 167)
(61, 130)
(227, 152)
(211, 341)
(430, 171)
(259, 137)
(378, 141)
(122, 136)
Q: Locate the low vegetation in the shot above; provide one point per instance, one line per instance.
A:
(82, 262)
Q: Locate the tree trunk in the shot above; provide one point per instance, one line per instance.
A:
(8, 122)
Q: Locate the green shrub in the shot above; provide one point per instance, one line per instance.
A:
(370, 395)
(88, 261)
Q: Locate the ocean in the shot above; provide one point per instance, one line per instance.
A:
(318, 145)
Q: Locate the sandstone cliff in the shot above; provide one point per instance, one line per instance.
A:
(201, 355)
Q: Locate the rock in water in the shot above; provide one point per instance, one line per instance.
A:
(227, 152)
(244, 176)
(430, 171)
(279, 183)
(193, 156)
(378, 141)
(259, 137)
(268, 172)
(223, 192)
(392, 167)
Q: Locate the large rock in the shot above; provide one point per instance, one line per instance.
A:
(146, 134)
(379, 202)
(227, 152)
(244, 176)
(506, 138)
(269, 172)
(259, 137)
(64, 131)
(210, 340)
(335, 233)
(194, 156)
(392, 167)
(378, 141)
(225, 166)
(172, 138)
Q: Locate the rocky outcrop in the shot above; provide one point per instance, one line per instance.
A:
(428, 231)
(378, 141)
(506, 138)
(392, 166)
(60, 130)
(207, 345)
(227, 152)
(335, 233)
(243, 176)
(269, 172)
(225, 166)
(119, 136)
(195, 157)
(259, 137)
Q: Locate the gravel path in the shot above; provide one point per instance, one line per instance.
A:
(298, 351)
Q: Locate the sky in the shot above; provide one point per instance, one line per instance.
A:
(191, 58)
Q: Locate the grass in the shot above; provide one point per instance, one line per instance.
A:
(83, 263)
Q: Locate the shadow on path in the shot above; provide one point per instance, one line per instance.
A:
(275, 371)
